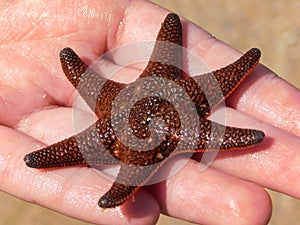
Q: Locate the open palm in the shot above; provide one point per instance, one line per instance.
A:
(36, 109)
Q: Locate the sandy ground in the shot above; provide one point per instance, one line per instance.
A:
(273, 26)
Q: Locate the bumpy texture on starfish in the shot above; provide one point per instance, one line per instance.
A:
(99, 143)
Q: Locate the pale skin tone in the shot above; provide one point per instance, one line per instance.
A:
(36, 110)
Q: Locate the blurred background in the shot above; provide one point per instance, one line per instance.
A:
(272, 26)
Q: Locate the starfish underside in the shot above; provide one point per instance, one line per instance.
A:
(182, 131)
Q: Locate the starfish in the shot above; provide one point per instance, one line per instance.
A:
(158, 126)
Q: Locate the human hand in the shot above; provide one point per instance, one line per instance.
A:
(32, 73)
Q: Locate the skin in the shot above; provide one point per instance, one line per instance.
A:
(31, 72)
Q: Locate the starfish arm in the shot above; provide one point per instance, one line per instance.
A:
(87, 82)
(208, 90)
(82, 149)
(166, 58)
(230, 77)
(214, 136)
(128, 181)
(62, 154)
(239, 138)
(170, 31)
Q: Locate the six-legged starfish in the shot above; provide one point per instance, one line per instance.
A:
(182, 131)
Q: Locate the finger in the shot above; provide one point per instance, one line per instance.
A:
(212, 197)
(270, 99)
(262, 95)
(50, 125)
(274, 164)
(73, 191)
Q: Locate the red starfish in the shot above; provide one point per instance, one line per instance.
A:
(182, 131)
